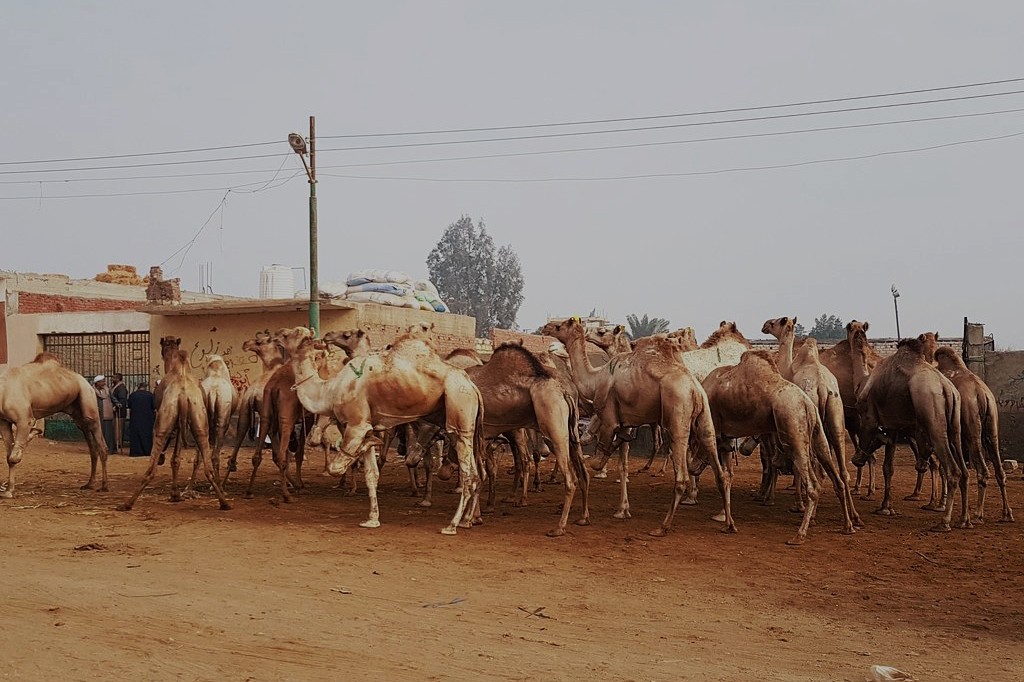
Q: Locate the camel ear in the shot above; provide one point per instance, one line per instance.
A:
(360, 333)
(849, 326)
(936, 337)
(619, 329)
(794, 320)
(783, 321)
(866, 327)
(722, 323)
(177, 340)
(920, 337)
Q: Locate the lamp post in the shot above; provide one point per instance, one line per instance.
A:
(895, 295)
(298, 145)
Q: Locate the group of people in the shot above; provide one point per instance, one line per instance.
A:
(116, 405)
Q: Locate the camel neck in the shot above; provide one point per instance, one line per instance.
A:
(583, 371)
(309, 386)
(786, 354)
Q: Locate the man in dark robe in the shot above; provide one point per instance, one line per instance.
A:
(141, 417)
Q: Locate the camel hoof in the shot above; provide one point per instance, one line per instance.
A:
(476, 522)
(622, 514)
(796, 509)
(583, 522)
(885, 511)
(370, 523)
(658, 532)
(797, 541)
(979, 520)
(730, 529)
(720, 517)
(248, 495)
(688, 501)
(224, 506)
(600, 474)
(449, 530)
(556, 533)
(940, 528)
(423, 503)
(849, 531)
(125, 507)
(465, 524)
(232, 467)
(1006, 519)
(933, 507)
(87, 486)
(487, 510)
(913, 498)
(868, 496)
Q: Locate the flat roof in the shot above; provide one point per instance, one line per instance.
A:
(244, 306)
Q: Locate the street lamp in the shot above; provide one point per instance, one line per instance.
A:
(298, 145)
(895, 295)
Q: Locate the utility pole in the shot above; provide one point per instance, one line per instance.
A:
(895, 295)
(299, 146)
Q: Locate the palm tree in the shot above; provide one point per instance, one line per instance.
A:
(640, 327)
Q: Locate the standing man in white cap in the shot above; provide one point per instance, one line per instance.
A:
(106, 406)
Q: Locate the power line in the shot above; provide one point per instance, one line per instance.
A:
(235, 188)
(165, 176)
(674, 142)
(690, 173)
(679, 115)
(671, 125)
(130, 156)
(138, 165)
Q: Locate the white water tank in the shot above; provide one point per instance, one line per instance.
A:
(277, 281)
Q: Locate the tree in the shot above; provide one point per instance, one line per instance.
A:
(828, 327)
(474, 279)
(645, 326)
(799, 331)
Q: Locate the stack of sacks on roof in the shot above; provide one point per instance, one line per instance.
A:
(387, 287)
(120, 274)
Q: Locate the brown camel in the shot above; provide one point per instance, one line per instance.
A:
(979, 419)
(907, 393)
(839, 360)
(401, 384)
(39, 389)
(806, 371)
(183, 406)
(270, 357)
(463, 358)
(753, 399)
(650, 385)
(687, 338)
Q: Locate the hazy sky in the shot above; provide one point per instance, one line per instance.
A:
(93, 79)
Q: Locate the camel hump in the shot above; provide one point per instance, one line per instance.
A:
(946, 356)
(754, 356)
(508, 350)
(914, 346)
(44, 357)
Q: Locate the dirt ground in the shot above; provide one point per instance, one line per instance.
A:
(269, 591)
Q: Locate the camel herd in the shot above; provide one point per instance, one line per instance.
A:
(798, 406)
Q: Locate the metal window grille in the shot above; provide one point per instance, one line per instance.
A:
(126, 353)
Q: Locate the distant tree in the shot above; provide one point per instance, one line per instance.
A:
(799, 330)
(828, 327)
(640, 327)
(474, 279)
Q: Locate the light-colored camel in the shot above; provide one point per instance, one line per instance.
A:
(270, 357)
(182, 406)
(806, 371)
(406, 382)
(39, 389)
(687, 338)
(753, 399)
(723, 348)
(463, 358)
(221, 402)
(649, 385)
(979, 420)
(905, 392)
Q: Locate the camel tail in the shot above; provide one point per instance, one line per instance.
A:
(478, 437)
(953, 428)
(183, 414)
(990, 428)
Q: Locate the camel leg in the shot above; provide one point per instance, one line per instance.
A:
(428, 474)
(953, 471)
(372, 476)
(203, 445)
(828, 462)
(971, 444)
(257, 455)
(802, 470)
(97, 450)
(244, 424)
(491, 468)
(7, 431)
(885, 509)
(679, 447)
(280, 453)
(992, 452)
(175, 464)
(469, 481)
(413, 479)
(623, 511)
(160, 435)
(552, 413)
(937, 496)
(518, 445)
(579, 470)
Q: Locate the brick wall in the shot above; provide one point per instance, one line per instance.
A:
(50, 303)
(532, 342)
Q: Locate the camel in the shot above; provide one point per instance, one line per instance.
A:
(401, 384)
(612, 340)
(806, 371)
(183, 406)
(650, 385)
(930, 344)
(751, 399)
(463, 358)
(270, 357)
(687, 338)
(39, 389)
(221, 402)
(839, 361)
(724, 347)
(905, 392)
(979, 419)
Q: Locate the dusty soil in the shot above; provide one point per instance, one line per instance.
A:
(270, 591)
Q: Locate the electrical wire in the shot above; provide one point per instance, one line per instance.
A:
(138, 154)
(689, 173)
(710, 112)
(239, 189)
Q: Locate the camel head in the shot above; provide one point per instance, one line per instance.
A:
(948, 359)
(857, 333)
(930, 341)
(687, 338)
(169, 344)
(910, 347)
(727, 331)
(420, 329)
(779, 326)
(605, 337)
(348, 340)
(563, 330)
(292, 339)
